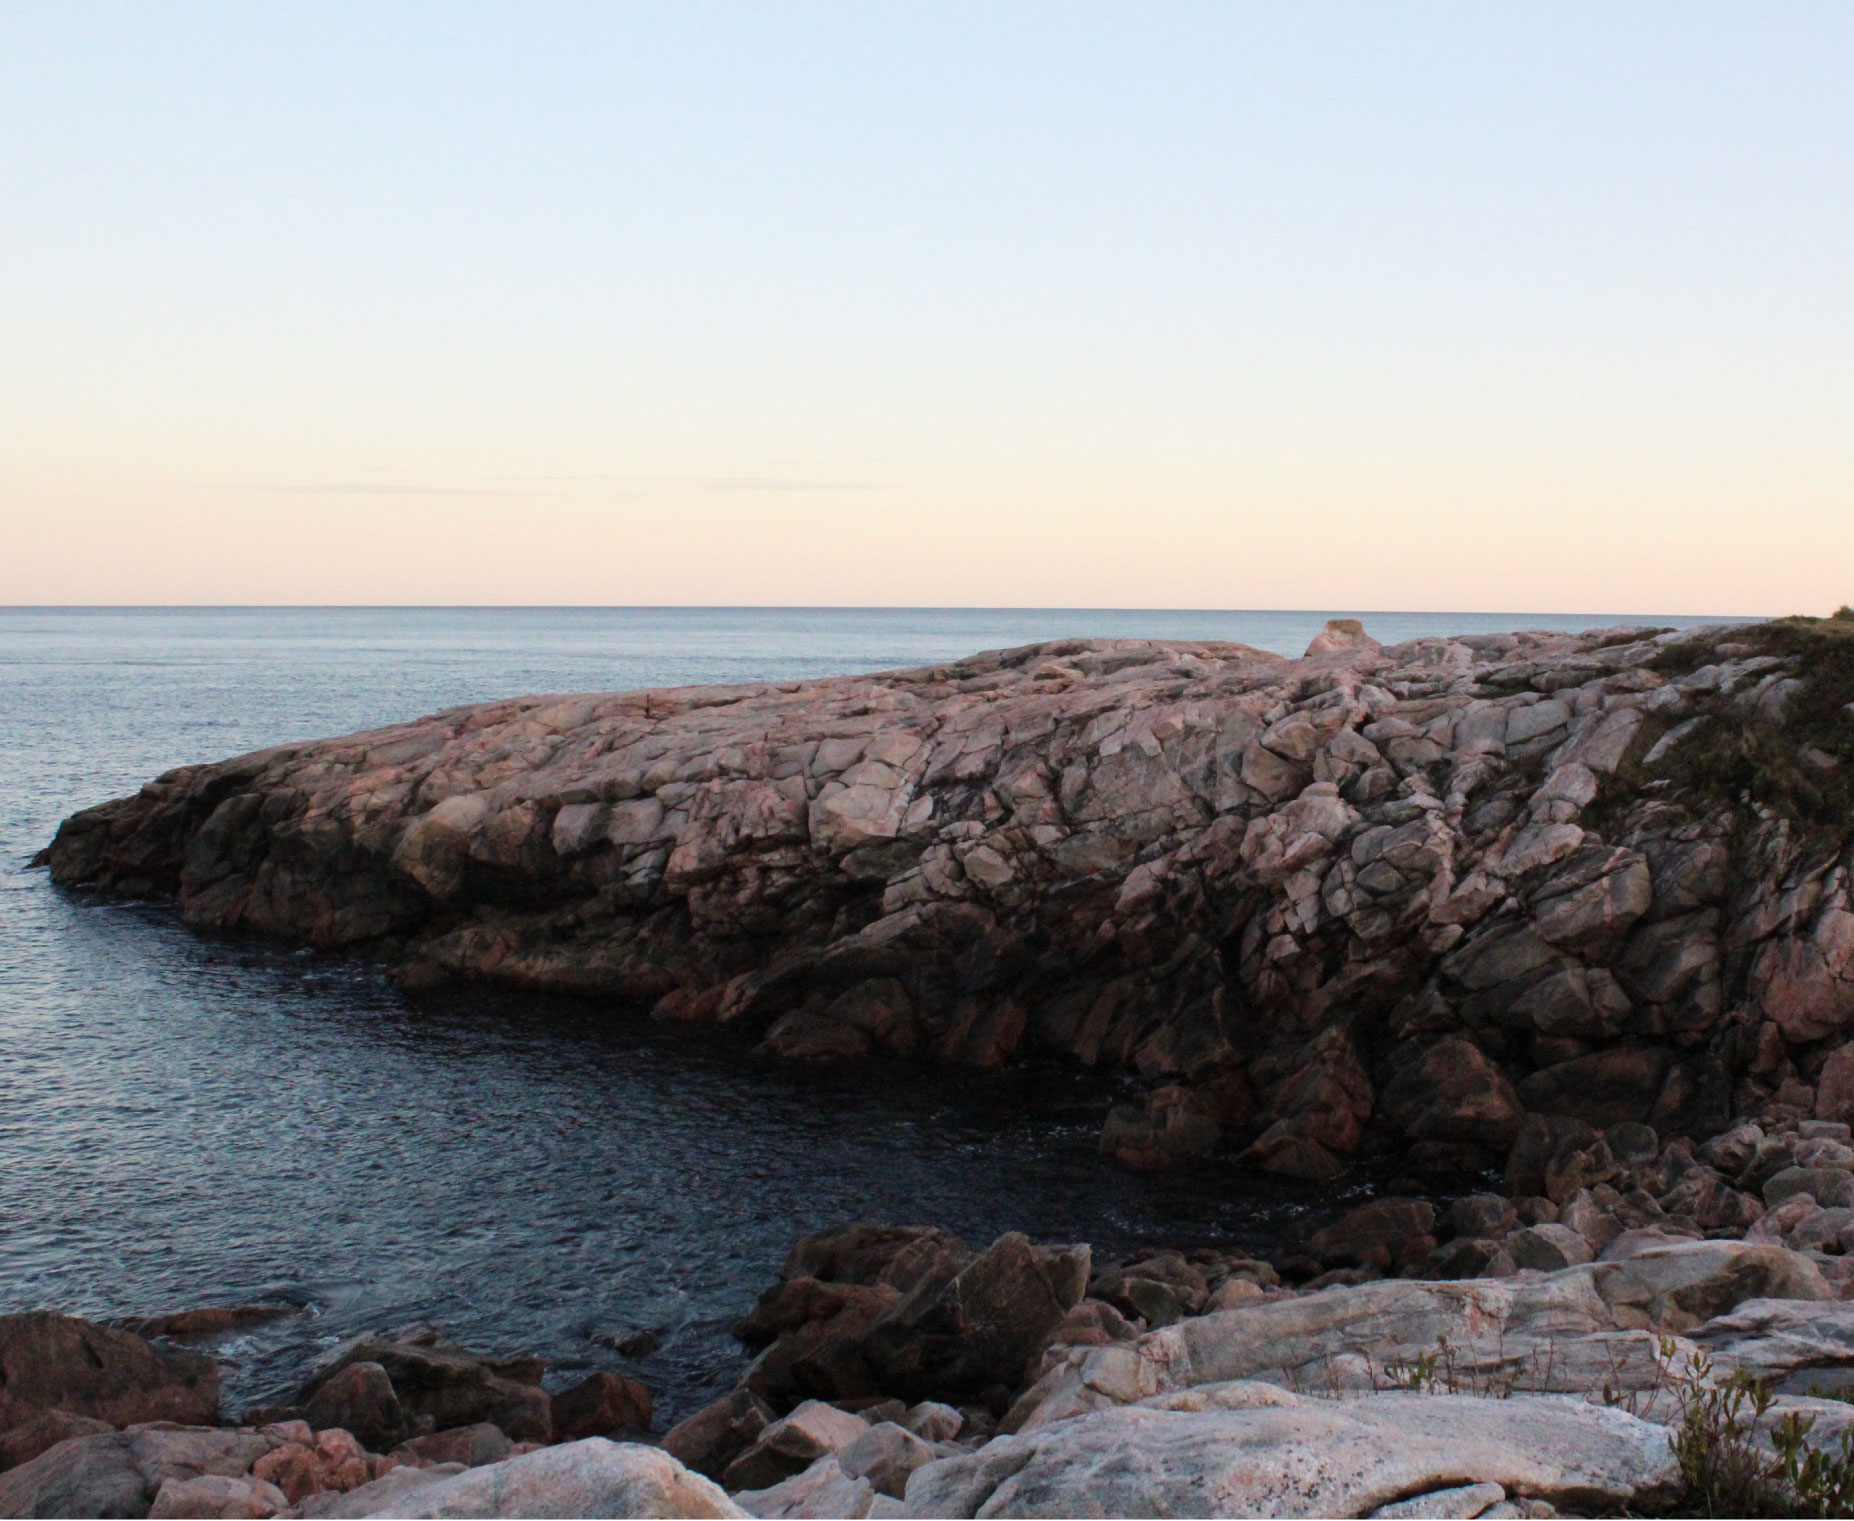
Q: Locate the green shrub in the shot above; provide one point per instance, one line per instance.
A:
(1726, 1471)
(1748, 763)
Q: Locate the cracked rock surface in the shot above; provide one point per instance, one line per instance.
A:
(1373, 896)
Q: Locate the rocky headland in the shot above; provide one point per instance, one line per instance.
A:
(1371, 899)
(1555, 927)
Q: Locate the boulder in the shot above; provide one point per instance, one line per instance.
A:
(933, 1422)
(1157, 1290)
(333, 1463)
(869, 1253)
(1462, 1503)
(1785, 1343)
(380, 1494)
(57, 1362)
(466, 1446)
(1307, 1458)
(1831, 1187)
(592, 1477)
(216, 1320)
(86, 1476)
(1384, 1234)
(977, 1331)
(822, 1490)
(42, 1433)
(1547, 1248)
(440, 1383)
(718, 1433)
(1678, 1287)
(886, 1454)
(602, 1404)
(1148, 1140)
(1601, 1088)
(119, 1473)
(1488, 1215)
(1094, 1323)
(213, 1495)
(822, 1351)
(1453, 1092)
(1541, 1138)
(1341, 636)
(1470, 1257)
(791, 1445)
(359, 1397)
(1231, 1293)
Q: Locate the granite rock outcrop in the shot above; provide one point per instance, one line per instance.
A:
(1376, 896)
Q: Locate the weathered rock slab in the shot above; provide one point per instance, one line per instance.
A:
(1307, 1458)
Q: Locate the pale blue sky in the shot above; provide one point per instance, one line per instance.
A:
(1425, 305)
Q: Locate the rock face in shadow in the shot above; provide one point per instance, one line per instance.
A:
(58, 1363)
(1408, 894)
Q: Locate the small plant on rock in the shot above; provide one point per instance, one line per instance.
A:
(1726, 1470)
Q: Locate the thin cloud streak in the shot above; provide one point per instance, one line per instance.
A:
(757, 483)
(719, 482)
(358, 488)
(386, 488)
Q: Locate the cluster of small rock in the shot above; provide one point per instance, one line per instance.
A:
(99, 1421)
(901, 1372)
(1148, 1386)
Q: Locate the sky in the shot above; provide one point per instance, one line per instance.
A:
(1426, 306)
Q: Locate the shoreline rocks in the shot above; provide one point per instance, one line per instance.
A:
(1573, 912)
(901, 1372)
(1372, 900)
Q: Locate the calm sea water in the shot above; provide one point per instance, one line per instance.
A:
(189, 1121)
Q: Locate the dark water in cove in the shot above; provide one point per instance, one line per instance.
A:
(188, 1121)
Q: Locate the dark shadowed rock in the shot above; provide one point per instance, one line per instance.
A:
(977, 1332)
(1603, 1088)
(439, 1382)
(56, 1362)
(42, 1433)
(472, 1446)
(1486, 1215)
(217, 1320)
(718, 1433)
(1541, 1138)
(824, 1355)
(791, 1445)
(88, 1476)
(1453, 1092)
(868, 1253)
(602, 1404)
(359, 1397)
(1384, 1234)
(1469, 1257)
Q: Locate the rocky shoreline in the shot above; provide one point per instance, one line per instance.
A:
(1568, 912)
(1370, 901)
(901, 1372)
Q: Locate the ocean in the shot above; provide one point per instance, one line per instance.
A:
(190, 1120)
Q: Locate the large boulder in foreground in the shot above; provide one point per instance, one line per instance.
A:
(119, 1474)
(1306, 1457)
(57, 1362)
(593, 1477)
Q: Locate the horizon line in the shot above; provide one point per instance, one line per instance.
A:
(854, 607)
